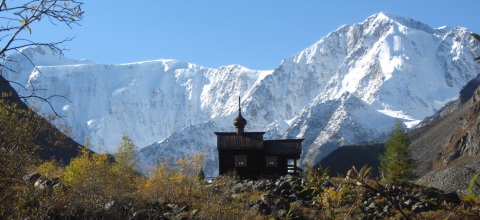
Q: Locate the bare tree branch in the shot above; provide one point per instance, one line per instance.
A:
(17, 18)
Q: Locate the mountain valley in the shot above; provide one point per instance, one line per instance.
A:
(348, 88)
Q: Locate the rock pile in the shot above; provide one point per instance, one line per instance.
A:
(41, 183)
(410, 198)
(290, 197)
(288, 192)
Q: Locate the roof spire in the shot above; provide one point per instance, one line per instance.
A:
(239, 122)
(239, 107)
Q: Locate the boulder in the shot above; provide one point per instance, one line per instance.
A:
(240, 187)
(282, 213)
(31, 178)
(452, 198)
(282, 204)
(44, 184)
(108, 205)
(259, 207)
(267, 198)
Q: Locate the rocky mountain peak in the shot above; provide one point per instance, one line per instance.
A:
(383, 18)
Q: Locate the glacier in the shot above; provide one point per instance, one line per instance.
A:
(348, 88)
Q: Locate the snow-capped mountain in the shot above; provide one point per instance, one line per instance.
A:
(345, 89)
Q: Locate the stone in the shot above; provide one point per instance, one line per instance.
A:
(452, 198)
(259, 186)
(173, 207)
(282, 204)
(168, 215)
(418, 207)
(281, 213)
(43, 184)
(267, 198)
(292, 198)
(108, 205)
(284, 185)
(140, 214)
(372, 207)
(194, 212)
(288, 177)
(269, 185)
(185, 208)
(277, 191)
(58, 186)
(37, 183)
(386, 208)
(409, 202)
(285, 192)
(239, 187)
(31, 178)
(181, 216)
(297, 188)
(236, 196)
(260, 207)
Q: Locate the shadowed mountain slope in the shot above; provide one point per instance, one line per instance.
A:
(342, 159)
(53, 143)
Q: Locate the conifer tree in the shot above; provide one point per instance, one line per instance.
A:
(126, 155)
(126, 161)
(201, 175)
(396, 163)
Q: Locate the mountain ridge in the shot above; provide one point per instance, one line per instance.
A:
(346, 88)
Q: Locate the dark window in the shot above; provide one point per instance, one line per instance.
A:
(271, 161)
(290, 162)
(240, 160)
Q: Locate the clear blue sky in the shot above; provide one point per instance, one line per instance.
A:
(256, 34)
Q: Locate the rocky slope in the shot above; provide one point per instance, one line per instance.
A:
(445, 145)
(452, 141)
(284, 197)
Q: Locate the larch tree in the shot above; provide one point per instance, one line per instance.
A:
(125, 165)
(396, 163)
(126, 155)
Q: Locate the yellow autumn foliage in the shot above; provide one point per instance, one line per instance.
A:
(173, 181)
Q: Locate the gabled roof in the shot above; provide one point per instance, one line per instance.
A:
(255, 135)
(254, 140)
(287, 146)
(231, 140)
